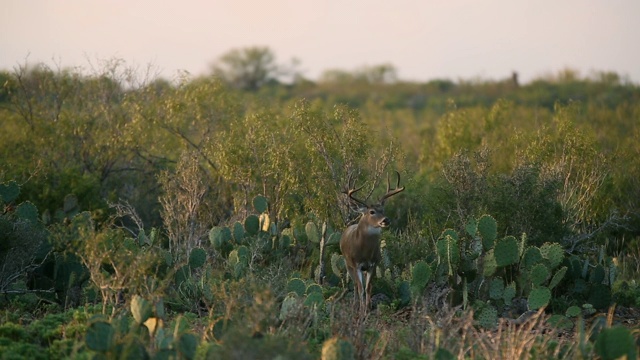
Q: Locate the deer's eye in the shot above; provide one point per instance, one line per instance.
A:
(372, 212)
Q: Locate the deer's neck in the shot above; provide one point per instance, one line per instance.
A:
(368, 232)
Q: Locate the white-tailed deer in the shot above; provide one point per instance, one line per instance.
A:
(360, 243)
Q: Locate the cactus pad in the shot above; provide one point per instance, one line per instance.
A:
(539, 297)
(557, 277)
(219, 236)
(506, 251)
(448, 252)
(9, 191)
(573, 311)
(616, 342)
(238, 232)
(252, 225)
(488, 229)
(539, 274)
(449, 232)
(490, 265)
(509, 293)
(296, 286)
(488, 317)
(100, 336)
(261, 204)
(553, 253)
(471, 227)
(197, 258)
(140, 309)
(314, 299)
(338, 265)
(187, 345)
(560, 322)
(496, 288)
(420, 276)
(289, 304)
(531, 257)
(334, 239)
(312, 232)
(313, 288)
(27, 211)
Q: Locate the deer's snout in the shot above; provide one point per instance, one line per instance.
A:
(385, 222)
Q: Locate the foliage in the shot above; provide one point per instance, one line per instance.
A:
(199, 216)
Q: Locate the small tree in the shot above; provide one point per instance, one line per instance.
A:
(248, 68)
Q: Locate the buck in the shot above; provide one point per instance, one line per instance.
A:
(360, 243)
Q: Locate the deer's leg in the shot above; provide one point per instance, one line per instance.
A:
(371, 273)
(362, 299)
(355, 275)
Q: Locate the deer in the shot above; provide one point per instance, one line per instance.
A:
(360, 242)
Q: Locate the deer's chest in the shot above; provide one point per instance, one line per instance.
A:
(364, 247)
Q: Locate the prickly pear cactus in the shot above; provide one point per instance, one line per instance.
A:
(615, 343)
(420, 276)
(9, 192)
(297, 286)
(553, 253)
(313, 288)
(197, 258)
(314, 299)
(100, 336)
(509, 293)
(313, 234)
(186, 345)
(488, 229)
(261, 204)
(488, 317)
(496, 288)
(539, 274)
(289, 305)
(337, 349)
(141, 309)
(573, 311)
(531, 257)
(448, 250)
(334, 239)
(490, 265)
(252, 225)
(471, 227)
(219, 236)
(338, 266)
(27, 211)
(238, 232)
(539, 297)
(557, 277)
(506, 251)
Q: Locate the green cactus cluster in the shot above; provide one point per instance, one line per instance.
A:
(311, 295)
(118, 338)
(590, 282)
(481, 266)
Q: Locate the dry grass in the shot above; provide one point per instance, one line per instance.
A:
(416, 333)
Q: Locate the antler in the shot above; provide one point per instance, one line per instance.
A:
(350, 191)
(391, 192)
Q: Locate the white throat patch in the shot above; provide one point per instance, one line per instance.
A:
(371, 230)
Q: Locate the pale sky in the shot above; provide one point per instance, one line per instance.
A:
(423, 39)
